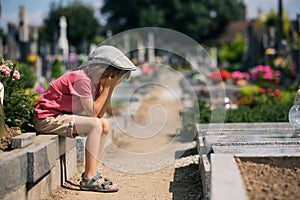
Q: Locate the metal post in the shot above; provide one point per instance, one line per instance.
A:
(298, 21)
(280, 27)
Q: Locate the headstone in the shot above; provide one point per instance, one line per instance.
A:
(3, 130)
(151, 53)
(63, 43)
(23, 35)
(126, 44)
(1, 47)
(34, 35)
(141, 51)
(1, 93)
(23, 25)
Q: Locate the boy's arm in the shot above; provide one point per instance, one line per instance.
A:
(111, 83)
(98, 107)
(103, 105)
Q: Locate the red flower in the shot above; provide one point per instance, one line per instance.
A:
(225, 74)
(270, 90)
(262, 90)
(277, 92)
(218, 75)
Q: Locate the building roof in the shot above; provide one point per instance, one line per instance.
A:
(240, 27)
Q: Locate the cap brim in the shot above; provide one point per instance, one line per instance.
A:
(109, 55)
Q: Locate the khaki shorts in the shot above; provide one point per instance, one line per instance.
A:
(61, 125)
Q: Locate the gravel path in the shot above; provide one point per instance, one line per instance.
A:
(151, 159)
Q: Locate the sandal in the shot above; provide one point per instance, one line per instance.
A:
(93, 185)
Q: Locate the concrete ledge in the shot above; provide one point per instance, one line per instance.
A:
(37, 170)
(226, 180)
(22, 140)
(243, 126)
(19, 193)
(13, 171)
(41, 156)
(205, 172)
(80, 152)
(201, 148)
(47, 185)
(65, 144)
(258, 150)
(248, 140)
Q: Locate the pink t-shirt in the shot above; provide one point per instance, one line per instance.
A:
(63, 95)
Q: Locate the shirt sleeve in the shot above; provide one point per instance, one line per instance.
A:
(83, 88)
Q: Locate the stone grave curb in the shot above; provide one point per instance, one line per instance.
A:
(226, 180)
(33, 170)
(211, 149)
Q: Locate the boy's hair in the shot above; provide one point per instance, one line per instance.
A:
(97, 72)
(112, 72)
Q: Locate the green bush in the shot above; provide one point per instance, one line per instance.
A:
(268, 112)
(271, 110)
(57, 69)
(17, 103)
(28, 72)
(18, 108)
(199, 113)
(233, 52)
(249, 90)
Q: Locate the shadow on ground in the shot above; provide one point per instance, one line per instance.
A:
(186, 183)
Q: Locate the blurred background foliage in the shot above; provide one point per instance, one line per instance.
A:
(201, 20)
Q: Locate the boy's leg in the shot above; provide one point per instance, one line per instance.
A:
(92, 127)
(97, 130)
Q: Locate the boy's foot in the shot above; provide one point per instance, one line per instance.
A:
(98, 184)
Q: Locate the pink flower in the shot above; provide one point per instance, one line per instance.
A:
(5, 70)
(16, 75)
(277, 73)
(247, 76)
(240, 75)
(264, 72)
(267, 76)
(41, 90)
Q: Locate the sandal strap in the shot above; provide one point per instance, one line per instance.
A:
(92, 180)
(106, 182)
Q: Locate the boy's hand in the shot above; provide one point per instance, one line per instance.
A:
(111, 82)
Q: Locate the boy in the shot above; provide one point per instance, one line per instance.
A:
(75, 103)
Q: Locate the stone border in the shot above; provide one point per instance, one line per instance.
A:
(226, 180)
(226, 141)
(37, 167)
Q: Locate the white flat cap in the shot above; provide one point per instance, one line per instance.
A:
(109, 55)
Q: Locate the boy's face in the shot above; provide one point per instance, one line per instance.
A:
(123, 75)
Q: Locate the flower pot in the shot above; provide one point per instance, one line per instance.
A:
(241, 82)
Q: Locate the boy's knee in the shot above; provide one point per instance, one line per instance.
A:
(105, 125)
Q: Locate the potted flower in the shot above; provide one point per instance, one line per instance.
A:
(265, 76)
(219, 76)
(240, 78)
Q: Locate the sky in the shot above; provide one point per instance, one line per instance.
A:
(37, 9)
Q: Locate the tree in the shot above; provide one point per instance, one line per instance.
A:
(82, 24)
(234, 51)
(197, 18)
(270, 19)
